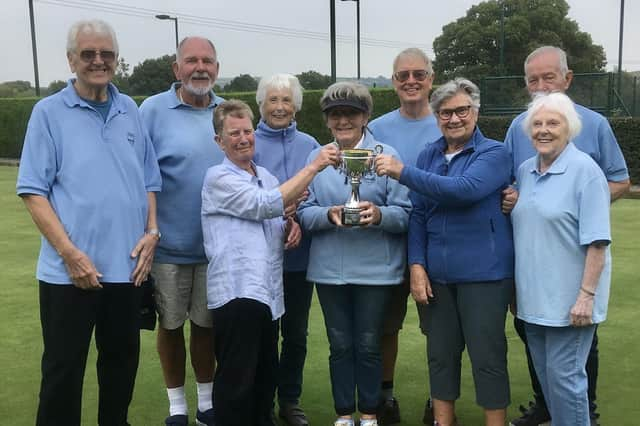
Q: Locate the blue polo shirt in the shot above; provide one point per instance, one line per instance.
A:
(558, 214)
(183, 138)
(596, 139)
(96, 175)
(407, 135)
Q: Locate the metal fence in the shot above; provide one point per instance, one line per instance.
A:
(507, 95)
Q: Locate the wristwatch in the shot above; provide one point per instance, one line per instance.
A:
(155, 232)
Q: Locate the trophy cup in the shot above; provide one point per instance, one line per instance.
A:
(355, 164)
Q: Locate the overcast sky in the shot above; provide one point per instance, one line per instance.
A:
(262, 37)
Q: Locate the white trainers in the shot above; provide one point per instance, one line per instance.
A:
(368, 422)
(343, 422)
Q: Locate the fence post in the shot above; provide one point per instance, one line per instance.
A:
(609, 93)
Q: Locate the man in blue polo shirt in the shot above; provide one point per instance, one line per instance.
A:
(408, 129)
(180, 124)
(546, 70)
(88, 176)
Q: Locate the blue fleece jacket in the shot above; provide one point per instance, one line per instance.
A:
(457, 230)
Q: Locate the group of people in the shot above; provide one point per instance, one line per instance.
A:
(238, 225)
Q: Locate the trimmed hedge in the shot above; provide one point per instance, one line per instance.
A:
(14, 114)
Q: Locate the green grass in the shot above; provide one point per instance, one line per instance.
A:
(21, 343)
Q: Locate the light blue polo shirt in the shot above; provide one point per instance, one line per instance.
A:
(96, 175)
(596, 139)
(407, 135)
(558, 214)
(183, 138)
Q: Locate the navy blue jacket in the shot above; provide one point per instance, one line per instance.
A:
(456, 229)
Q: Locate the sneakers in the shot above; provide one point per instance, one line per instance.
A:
(177, 420)
(343, 422)
(205, 418)
(388, 412)
(293, 415)
(533, 416)
(368, 422)
(427, 417)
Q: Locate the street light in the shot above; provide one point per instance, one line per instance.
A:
(175, 21)
(620, 48)
(33, 48)
(358, 31)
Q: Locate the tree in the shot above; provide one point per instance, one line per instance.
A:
(470, 46)
(16, 89)
(121, 77)
(56, 86)
(152, 76)
(242, 83)
(311, 80)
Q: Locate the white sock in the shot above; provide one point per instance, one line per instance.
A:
(177, 401)
(205, 390)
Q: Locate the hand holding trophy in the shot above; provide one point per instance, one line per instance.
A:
(356, 164)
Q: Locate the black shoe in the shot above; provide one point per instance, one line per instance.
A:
(593, 418)
(177, 420)
(293, 415)
(388, 412)
(427, 417)
(535, 415)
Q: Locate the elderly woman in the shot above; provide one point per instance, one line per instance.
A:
(354, 268)
(244, 234)
(283, 150)
(460, 252)
(561, 235)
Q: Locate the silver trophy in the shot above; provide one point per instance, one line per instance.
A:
(355, 164)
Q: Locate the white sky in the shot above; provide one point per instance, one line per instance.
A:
(261, 37)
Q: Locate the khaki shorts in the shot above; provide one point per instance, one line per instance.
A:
(181, 293)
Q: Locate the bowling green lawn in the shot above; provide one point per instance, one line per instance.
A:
(21, 342)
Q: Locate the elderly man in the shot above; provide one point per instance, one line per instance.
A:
(408, 129)
(546, 71)
(244, 236)
(179, 122)
(88, 174)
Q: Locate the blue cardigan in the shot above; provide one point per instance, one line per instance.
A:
(456, 229)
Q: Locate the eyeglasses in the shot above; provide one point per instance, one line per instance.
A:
(418, 75)
(89, 56)
(461, 112)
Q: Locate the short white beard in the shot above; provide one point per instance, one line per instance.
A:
(198, 91)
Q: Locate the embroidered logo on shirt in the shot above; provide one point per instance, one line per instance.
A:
(131, 138)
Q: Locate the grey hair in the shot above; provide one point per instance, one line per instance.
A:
(414, 52)
(451, 88)
(184, 40)
(562, 58)
(350, 91)
(230, 108)
(280, 82)
(94, 26)
(556, 102)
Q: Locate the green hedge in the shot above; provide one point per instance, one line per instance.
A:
(14, 114)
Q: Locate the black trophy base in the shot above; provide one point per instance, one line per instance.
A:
(350, 217)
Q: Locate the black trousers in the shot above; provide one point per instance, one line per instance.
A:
(591, 367)
(68, 316)
(246, 346)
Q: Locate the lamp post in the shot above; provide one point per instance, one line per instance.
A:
(358, 31)
(33, 48)
(175, 21)
(332, 31)
(620, 48)
(502, 37)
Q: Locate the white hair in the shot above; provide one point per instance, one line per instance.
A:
(280, 82)
(556, 102)
(93, 26)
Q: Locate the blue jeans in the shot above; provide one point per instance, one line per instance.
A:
(293, 327)
(353, 316)
(559, 356)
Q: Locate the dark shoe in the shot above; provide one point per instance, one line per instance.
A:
(593, 417)
(533, 416)
(293, 415)
(427, 417)
(388, 412)
(205, 418)
(177, 420)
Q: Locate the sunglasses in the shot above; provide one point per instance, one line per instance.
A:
(418, 75)
(89, 56)
(461, 112)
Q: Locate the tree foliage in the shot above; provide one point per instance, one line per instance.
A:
(242, 83)
(470, 46)
(152, 76)
(16, 89)
(121, 77)
(56, 86)
(311, 80)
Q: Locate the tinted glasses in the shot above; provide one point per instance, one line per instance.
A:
(89, 56)
(418, 75)
(461, 112)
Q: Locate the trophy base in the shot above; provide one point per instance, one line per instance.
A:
(350, 216)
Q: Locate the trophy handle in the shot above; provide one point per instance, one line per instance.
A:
(377, 150)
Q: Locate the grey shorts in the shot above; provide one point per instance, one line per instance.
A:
(181, 293)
